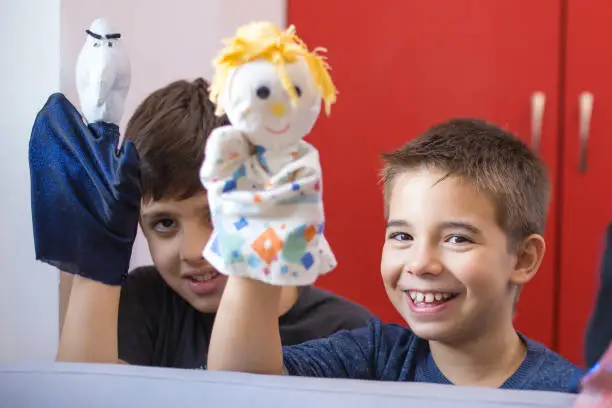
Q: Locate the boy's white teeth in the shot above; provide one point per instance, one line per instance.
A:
(204, 278)
(428, 297)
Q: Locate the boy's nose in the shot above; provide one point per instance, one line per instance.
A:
(424, 261)
(192, 245)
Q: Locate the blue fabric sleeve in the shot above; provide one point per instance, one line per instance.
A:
(346, 354)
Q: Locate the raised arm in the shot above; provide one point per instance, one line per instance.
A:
(86, 198)
(89, 333)
(246, 336)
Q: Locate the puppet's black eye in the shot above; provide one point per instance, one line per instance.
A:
(263, 92)
(298, 91)
(96, 44)
(110, 44)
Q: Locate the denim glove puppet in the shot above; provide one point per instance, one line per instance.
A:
(86, 193)
(264, 182)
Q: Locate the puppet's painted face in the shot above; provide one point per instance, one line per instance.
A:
(258, 105)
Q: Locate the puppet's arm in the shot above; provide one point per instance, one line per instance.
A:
(226, 150)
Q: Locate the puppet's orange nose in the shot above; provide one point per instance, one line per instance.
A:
(278, 109)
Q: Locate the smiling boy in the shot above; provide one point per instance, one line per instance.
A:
(466, 206)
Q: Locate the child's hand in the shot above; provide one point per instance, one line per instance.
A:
(85, 194)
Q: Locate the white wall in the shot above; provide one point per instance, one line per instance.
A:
(166, 40)
(29, 72)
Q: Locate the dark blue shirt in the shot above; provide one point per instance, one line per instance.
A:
(391, 352)
(599, 331)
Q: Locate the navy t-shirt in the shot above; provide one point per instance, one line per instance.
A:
(391, 352)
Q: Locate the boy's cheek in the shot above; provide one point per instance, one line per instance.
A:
(163, 253)
(391, 266)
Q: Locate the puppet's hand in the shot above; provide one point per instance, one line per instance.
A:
(85, 194)
(226, 150)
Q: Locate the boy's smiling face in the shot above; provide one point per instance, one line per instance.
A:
(177, 231)
(447, 264)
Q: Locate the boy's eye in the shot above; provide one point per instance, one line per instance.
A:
(400, 236)
(164, 225)
(458, 239)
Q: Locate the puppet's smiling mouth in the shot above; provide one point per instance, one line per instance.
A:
(277, 132)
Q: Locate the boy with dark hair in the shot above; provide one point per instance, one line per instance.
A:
(160, 315)
(466, 207)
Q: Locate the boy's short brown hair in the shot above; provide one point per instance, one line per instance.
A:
(169, 130)
(492, 159)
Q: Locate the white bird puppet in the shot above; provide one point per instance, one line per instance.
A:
(263, 181)
(103, 74)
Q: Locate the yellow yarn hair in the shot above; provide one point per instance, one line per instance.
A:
(267, 41)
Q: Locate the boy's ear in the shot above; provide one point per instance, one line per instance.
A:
(529, 255)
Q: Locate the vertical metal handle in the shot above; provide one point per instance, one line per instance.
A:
(538, 101)
(585, 103)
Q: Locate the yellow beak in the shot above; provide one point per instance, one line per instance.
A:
(278, 109)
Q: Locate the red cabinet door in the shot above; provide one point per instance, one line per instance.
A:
(401, 66)
(587, 192)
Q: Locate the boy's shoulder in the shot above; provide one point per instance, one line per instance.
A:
(376, 351)
(542, 369)
(545, 370)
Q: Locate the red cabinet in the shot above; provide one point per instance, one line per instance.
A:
(401, 66)
(586, 193)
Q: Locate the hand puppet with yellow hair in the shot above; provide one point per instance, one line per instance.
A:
(263, 180)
